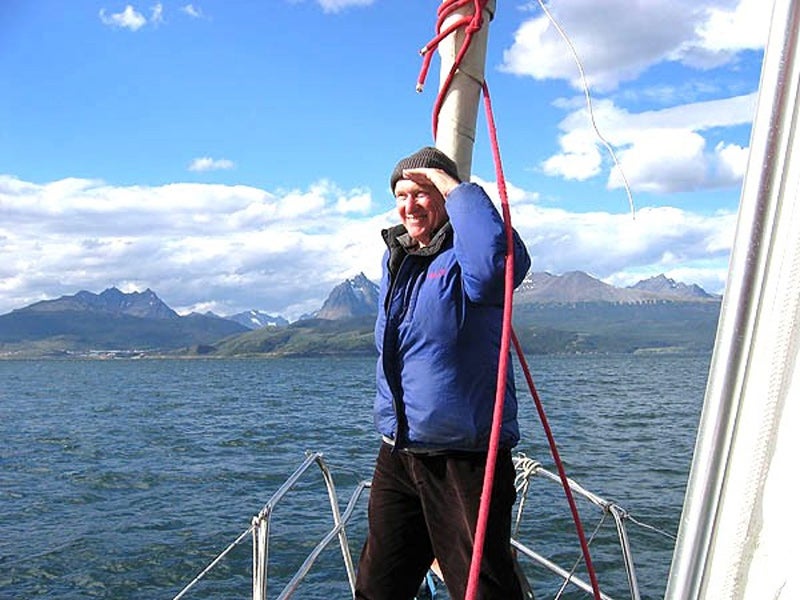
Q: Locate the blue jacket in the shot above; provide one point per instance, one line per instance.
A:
(438, 330)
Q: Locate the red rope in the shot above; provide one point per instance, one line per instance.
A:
(473, 24)
(502, 367)
(560, 465)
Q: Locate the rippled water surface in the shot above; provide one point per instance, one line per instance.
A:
(125, 478)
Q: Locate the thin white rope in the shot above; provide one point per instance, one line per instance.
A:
(585, 85)
(526, 468)
(577, 562)
(213, 563)
(650, 527)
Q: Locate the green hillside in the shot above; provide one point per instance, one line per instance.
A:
(607, 327)
(310, 337)
(542, 329)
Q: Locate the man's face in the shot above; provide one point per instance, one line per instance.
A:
(421, 209)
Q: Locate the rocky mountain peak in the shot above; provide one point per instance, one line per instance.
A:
(256, 319)
(665, 286)
(354, 297)
(136, 304)
(577, 287)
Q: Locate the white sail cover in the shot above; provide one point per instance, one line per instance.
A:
(739, 532)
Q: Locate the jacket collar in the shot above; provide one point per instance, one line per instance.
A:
(398, 236)
(400, 243)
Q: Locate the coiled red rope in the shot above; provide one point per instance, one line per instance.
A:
(472, 24)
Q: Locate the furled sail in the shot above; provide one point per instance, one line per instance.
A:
(738, 532)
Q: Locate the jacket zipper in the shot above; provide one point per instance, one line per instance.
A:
(394, 384)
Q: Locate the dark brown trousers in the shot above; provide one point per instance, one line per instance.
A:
(424, 506)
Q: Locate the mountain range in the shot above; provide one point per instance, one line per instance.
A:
(573, 312)
(577, 286)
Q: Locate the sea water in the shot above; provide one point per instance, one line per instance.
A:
(125, 478)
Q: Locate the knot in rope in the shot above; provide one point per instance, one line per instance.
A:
(474, 24)
(471, 24)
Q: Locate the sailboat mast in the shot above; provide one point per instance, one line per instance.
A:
(458, 116)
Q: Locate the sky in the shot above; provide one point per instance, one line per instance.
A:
(233, 155)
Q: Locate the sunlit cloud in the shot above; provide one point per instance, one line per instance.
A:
(193, 11)
(335, 6)
(696, 140)
(617, 44)
(241, 247)
(206, 163)
(132, 19)
(237, 246)
(744, 27)
(661, 151)
(129, 18)
(157, 14)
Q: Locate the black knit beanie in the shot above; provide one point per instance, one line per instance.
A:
(426, 157)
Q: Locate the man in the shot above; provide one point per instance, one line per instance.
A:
(438, 335)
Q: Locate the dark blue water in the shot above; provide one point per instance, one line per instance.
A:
(125, 478)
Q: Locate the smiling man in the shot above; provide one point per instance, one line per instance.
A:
(438, 337)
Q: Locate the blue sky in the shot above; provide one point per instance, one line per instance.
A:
(232, 155)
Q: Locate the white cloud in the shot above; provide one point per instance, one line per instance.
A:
(360, 203)
(335, 6)
(236, 246)
(620, 42)
(616, 247)
(732, 161)
(157, 14)
(206, 163)
(660, 150)
(741, 27)
(193, 11)
(239, 247)
(132, 19)
(621, 249)
(579, 159)
(684, 147)
(129, 18)
(664, 160)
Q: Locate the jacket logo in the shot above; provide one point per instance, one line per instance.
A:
(437, 274)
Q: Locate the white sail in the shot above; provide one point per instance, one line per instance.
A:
(738, 532)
